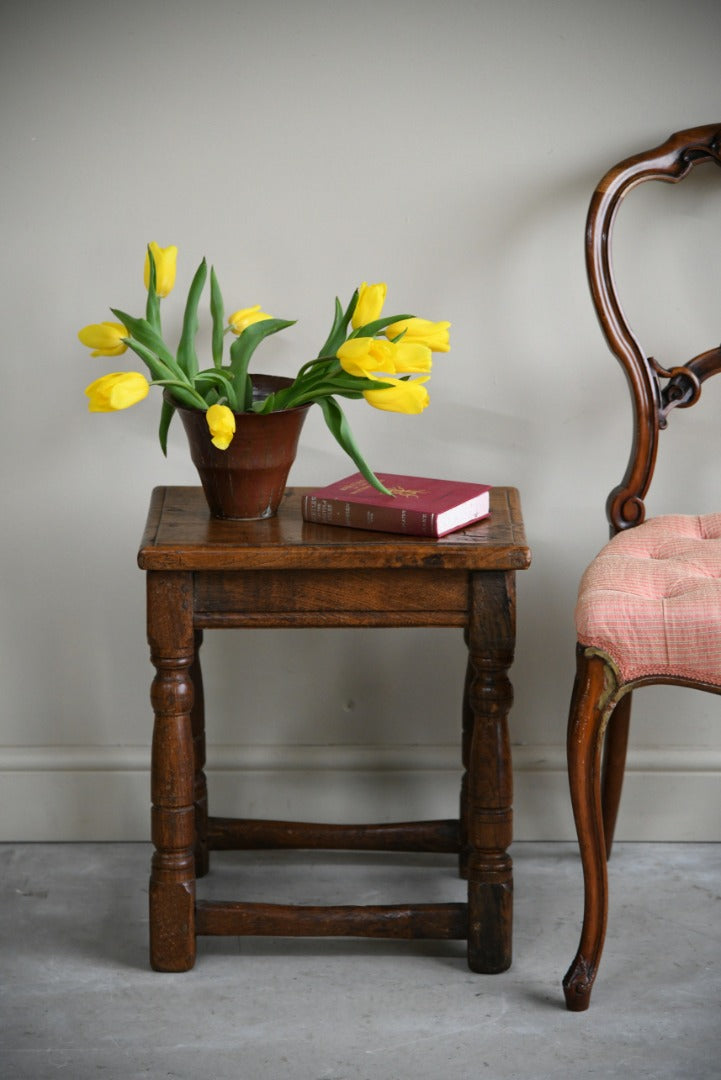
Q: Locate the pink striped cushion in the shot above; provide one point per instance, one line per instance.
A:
(651, 599)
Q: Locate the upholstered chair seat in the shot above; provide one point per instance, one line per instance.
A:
(651, 600)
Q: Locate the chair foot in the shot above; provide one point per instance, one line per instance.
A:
(577, 985)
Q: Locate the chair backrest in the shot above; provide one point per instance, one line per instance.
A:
(655, 391)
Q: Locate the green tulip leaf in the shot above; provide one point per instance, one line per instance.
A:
(242, 350)
(187, 357)
(341, 432)
(337, 331)
(167, 412)
(218, 316)
(373, 328)
(352, 305)
(184, 394)
(316, 370)
(157, 368)
(246, 343)
(143, 332)
(214, 374)
(152, 306)
(267, 405)
(344, 383)
(218, 377)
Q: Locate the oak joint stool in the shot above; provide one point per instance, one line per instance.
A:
(207, 573)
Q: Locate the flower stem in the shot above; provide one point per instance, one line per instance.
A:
(189, 396)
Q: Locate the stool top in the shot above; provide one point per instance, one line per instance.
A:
(180, 534)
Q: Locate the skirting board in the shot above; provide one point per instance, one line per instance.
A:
(102, 793)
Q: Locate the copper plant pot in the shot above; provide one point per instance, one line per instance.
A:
(246, 482)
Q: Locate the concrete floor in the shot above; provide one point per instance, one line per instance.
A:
(77, 998)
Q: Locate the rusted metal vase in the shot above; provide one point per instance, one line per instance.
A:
(246, 482)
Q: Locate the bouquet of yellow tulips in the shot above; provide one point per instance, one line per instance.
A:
(389, 371)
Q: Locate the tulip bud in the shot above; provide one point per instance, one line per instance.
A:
(165, 260)
(119, 390)
(245, 317)
(410, 358)
(105, 339)
(370, 304)
(421, 332)
(221, 424)
(361, 356)
(401, 396)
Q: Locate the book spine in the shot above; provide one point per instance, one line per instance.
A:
(379, 519)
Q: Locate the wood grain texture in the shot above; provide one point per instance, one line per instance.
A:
(593, 686)
(204, 572)
(488, 781)
(243, 834)
(656, 389)
(438, 921)
(181, 535)
(172, 879)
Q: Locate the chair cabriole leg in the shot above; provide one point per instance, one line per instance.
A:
(614, 764)
(585, 735)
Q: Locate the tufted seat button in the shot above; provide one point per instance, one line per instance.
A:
(651, 599)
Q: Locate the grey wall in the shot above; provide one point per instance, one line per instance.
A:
(448, 149)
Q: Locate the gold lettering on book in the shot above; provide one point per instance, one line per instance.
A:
(360, 487)
(407, 493)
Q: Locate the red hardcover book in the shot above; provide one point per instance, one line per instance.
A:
(418, 506)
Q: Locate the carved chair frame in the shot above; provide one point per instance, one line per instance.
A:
(601, 702)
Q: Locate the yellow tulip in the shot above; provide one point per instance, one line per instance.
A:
(370, 304)
(401, 396)
(105, 338)
(410, 358)
(245, 317)
(165, 262)
(221, 424)
(119, 390)
(422, 332)
(362, 356)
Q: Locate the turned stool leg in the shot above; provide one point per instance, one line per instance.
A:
(466, 743)
(593, 685)
(172, 880)
(200, 787)
(489, 783)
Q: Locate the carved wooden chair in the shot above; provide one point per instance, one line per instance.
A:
(649, 605)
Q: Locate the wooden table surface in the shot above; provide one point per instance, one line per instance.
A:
(181, 535)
